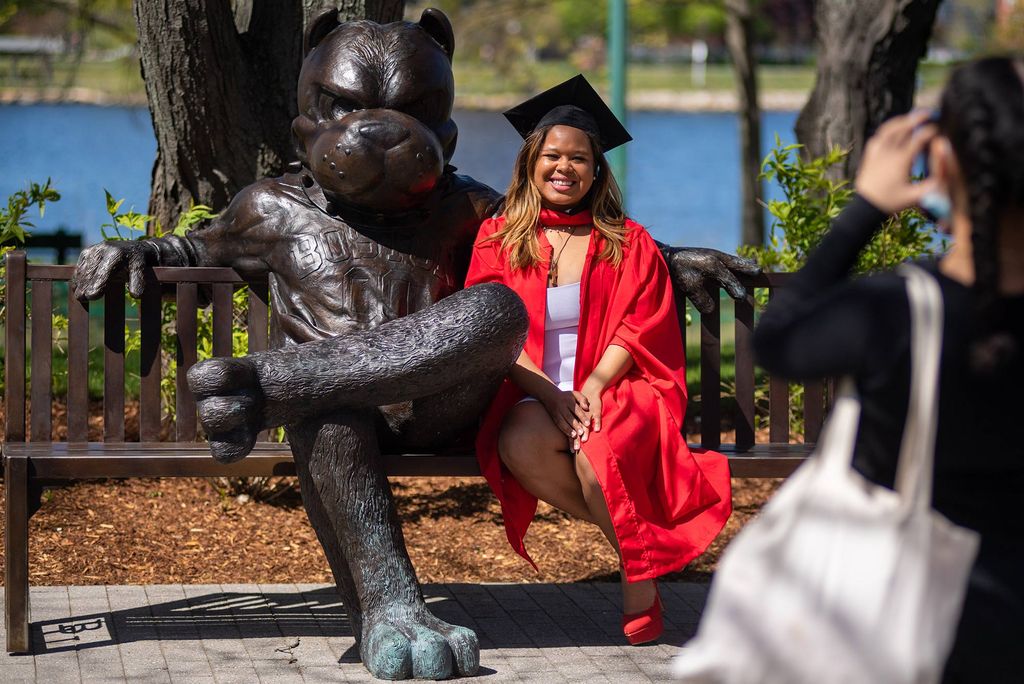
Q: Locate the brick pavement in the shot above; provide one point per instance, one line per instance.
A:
(285, 633)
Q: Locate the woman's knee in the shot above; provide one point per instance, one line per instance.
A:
(513, 440)
(514, 447)
(527, 434)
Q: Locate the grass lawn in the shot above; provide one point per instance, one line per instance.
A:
(122, 78)
(118, 79)
(476, 78)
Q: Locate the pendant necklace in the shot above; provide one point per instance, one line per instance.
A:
(553, 266)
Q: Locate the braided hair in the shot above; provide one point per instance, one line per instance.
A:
(982, 115)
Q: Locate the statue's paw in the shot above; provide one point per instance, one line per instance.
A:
(416, 644)
(229, 402)
(463, 643)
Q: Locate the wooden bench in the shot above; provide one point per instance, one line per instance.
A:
(33, 460)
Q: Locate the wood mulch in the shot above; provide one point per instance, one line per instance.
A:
(184, 530)
(193, 531)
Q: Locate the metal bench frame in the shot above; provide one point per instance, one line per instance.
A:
(34, 460)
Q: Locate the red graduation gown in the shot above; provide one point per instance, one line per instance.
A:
(667, 503)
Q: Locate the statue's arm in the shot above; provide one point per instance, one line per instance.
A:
(470, 204)
(236, 238)
(691, 266)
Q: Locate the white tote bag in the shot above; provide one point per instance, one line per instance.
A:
(839, 579)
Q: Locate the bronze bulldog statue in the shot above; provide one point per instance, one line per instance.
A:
(366, 242)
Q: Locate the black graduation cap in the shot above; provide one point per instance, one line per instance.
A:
(572, 103)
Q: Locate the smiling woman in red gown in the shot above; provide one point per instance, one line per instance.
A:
(589, 419)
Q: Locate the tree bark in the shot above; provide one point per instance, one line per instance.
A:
(738, 32)
(221, 91)
(868, 54)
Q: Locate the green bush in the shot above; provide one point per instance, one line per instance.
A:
(135, 224)
(14, 227)
(800, 221)
(812, 201)
(132, 225)
(13, 231)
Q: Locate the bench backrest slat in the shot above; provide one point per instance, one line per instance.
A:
(186, 421)
(778, 409)
(222, 321)
(814, 409)
(778, 405)
(259, 317)
(259, 327)
(78, 369)
(42, 359)
(711, 375)
(745, 372)
(14, 349)
(680, 303)
(150, 362)
(113, 364)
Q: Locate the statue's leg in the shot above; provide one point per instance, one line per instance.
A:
(453, 343)
(341, 469)
(441, 419)
(323, 524)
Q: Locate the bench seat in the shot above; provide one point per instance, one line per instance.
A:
(53, 462)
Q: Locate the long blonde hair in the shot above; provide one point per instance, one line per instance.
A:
(523, 203)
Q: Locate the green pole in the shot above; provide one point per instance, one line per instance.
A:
(617, 80)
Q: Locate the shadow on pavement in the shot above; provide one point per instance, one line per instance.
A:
(503, 615)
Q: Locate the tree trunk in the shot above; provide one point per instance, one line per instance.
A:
(221, 90)
(867, 66)
(738, 31)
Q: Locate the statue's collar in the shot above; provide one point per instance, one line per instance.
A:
(363, 217)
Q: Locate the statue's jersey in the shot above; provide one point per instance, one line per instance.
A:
(329, 276)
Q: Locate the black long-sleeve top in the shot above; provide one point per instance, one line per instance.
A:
(825, 323)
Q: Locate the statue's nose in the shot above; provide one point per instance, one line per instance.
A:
(384, 133)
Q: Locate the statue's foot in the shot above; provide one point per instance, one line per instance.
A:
(230, 401)
(408, 641)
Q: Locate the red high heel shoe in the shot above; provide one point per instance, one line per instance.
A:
(645, 626)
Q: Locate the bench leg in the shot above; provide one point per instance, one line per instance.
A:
(16, 559)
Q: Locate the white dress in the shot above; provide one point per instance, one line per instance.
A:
(561, 328)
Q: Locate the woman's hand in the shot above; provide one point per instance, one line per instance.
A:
(570, 413)
(884, 175)
(591, 390)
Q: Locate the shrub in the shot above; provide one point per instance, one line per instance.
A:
(812, 200)
(135, 226)
(13, 231)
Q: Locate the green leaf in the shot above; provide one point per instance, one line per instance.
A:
(196, 213)
(112, 204)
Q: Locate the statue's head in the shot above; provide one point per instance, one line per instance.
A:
(375, 106)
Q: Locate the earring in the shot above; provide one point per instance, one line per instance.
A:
(936, 206)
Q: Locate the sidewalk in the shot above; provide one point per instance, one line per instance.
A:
(299, 633)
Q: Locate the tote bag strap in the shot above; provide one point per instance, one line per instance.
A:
(836, 445)
(917, 450)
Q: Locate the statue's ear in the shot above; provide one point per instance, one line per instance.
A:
(435, 22)
(324, 23)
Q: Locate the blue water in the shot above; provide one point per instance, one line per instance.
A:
(682, 177)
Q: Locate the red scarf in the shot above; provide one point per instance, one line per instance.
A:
(551, 217)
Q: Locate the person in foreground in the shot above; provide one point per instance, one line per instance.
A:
(589, 419)
(825, 324)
